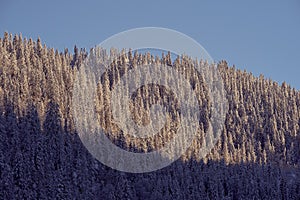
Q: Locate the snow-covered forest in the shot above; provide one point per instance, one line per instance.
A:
(41, 155)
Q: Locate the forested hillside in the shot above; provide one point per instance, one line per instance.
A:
(41, 155)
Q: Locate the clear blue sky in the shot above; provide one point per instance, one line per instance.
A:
(259, 36)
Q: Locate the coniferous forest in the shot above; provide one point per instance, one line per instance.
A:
(42, 156)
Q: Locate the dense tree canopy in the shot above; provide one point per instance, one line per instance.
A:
(41, 156)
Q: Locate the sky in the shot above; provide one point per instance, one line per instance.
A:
(261, 37)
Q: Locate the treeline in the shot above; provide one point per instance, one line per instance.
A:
(41, 155)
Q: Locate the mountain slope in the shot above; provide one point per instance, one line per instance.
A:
(41, 155)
